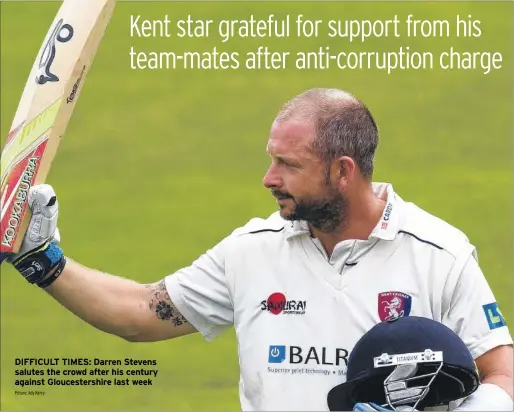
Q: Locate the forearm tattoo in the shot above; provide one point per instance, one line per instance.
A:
(161, 304)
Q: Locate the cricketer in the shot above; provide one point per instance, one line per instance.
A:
(343, 254)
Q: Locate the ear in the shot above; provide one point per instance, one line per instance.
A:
(346, 171)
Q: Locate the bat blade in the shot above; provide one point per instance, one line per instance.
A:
(45, 108)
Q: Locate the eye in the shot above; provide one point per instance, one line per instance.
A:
(286, 163)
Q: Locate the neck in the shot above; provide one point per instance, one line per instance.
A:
(364, 212)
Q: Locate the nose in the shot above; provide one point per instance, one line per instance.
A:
(272, 178)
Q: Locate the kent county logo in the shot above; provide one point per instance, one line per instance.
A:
(393, 305)
(277, 304)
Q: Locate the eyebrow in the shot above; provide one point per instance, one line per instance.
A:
(282, 158)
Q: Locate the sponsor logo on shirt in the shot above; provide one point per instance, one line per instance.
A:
(387, 216)
(387, 213)
(494, 316)
(277, 354)
(277, 304)
(393, 305)
(307, 360)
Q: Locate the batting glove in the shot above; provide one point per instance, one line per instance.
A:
(40, 259)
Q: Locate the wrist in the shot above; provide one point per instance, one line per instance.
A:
(41, 266)
(53, 274)
(488, 397)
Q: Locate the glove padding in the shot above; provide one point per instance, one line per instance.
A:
(40, 260)
(42, 228)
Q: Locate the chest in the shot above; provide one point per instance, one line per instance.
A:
(292, 293)
(297, 318)
(295, 281)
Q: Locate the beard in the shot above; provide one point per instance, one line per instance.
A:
(325, 213)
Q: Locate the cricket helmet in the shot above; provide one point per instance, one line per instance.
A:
(408, 362)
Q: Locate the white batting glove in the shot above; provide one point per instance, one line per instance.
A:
(40, 259)
(42, 228)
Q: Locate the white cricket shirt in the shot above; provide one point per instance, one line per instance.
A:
(298, 314)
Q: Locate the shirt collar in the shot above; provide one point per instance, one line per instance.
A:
(386, 228)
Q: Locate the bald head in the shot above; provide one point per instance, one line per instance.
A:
(343, 125)
(312, 103)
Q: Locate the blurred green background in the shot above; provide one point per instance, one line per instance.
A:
(159, 165)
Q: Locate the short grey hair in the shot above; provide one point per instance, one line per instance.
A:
(344, 126)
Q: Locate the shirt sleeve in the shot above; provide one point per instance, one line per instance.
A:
(472, 311)
(201, 294)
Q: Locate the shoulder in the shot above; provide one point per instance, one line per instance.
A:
(258, 235)
(270, 226)
(429, 229)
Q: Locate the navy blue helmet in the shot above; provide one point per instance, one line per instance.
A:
(406, 362)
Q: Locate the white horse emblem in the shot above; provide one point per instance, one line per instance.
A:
(393, 306)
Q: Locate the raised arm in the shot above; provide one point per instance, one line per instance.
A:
(131, 310)
(119, 306)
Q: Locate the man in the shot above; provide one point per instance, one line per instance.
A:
(302, 286)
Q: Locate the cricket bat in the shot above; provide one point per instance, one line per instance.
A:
(46, 105)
